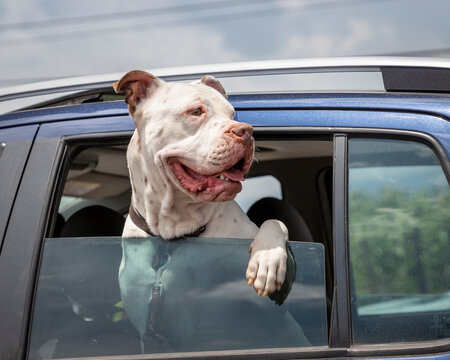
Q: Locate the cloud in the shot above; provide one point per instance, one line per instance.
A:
(136, 43)
(13, 11)
(139, 49)
(295, 29)
(324, 43)
(359, 33)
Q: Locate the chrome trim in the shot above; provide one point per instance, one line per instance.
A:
(278, 67)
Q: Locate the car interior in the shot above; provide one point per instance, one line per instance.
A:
(98, 176)
(293, 178)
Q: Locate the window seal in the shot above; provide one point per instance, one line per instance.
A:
(315, 352)
(340, 326)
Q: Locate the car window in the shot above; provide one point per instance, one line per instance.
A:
(186, 295)
(399, 216)
(97, 182)
(83, 307)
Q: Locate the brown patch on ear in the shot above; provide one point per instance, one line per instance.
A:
(136, 84)
(211, 81)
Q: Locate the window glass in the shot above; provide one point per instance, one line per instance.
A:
(179, 296)
(399, 224)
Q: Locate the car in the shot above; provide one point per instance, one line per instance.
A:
(357, 168)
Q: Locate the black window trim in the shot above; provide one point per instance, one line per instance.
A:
(338, 347)
(341, 325)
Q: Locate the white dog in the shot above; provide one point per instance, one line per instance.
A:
(186, 160)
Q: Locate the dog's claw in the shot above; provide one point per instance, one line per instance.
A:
(250, 249)
(251, 281)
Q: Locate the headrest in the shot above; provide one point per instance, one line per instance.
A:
(95, 220)
(271, 208)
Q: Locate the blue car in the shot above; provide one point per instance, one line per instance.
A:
(352, 154)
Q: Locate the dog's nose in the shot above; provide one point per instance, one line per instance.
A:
(242, 130)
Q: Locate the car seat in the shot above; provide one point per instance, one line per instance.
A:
(94, 220)
(271, 208)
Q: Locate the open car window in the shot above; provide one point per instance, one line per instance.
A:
(99, 294)
(186, 295)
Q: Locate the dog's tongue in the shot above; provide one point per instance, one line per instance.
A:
(233, 174)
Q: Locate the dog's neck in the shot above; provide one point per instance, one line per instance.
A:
(167, 210)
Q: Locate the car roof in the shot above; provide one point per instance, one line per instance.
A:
(431, 104)
(394, 74)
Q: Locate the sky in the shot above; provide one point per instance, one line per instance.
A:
(48, 39)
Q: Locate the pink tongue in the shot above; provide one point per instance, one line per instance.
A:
(233, 174)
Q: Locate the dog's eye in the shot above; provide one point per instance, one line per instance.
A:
(196, 112)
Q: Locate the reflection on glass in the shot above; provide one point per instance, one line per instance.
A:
(399, 206)
(179, 296)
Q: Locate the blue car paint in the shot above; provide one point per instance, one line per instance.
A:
(431, 125)
(12, 134)
(438, 105)
(83, 111)
(86, 126)
(427, 114)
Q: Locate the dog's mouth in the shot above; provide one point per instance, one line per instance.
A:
(220, 186)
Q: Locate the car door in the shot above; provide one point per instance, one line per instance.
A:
(29, 220)
(310, 152)
(15, 145)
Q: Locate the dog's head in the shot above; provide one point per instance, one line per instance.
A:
(188, 132)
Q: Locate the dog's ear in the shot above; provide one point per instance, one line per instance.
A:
(214, 83)
(136, 84)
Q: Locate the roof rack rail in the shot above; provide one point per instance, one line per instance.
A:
(399, 74)
(417, 78)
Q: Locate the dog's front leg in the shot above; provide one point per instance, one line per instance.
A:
(266, 269)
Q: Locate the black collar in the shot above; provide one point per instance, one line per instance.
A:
(141, 223)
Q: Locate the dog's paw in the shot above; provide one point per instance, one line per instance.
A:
(266, 269)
